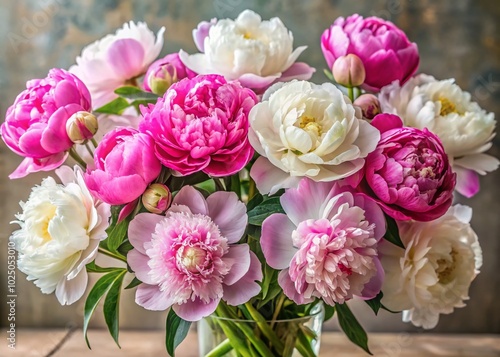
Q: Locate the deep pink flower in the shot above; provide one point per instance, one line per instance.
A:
(326, 243)
(125, 164)
(189, 259)
(408, 174)
(201, 124)
(165, 72)
(35, 125)
(385, 50)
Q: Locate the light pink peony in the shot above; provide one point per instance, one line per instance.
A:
(326, 244)
(408, 174)
(189, 259)
(124, 165)
(112, 61)
(201, 124)
(386, 52)
(35, 125)
(165, 72)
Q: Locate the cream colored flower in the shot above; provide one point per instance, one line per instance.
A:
(433, 274)
(61, 227)
(303, 129)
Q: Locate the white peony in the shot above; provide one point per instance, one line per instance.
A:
(464, 128)
(61, 227)
(433, 274)
(117, 58)
(253, 51)
(303, 129)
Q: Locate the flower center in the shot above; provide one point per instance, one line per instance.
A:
(446, 268)
(192, 258)
(43, 232)
(310, 125)
(447, 106)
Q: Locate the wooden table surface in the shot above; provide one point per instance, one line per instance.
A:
(70, 343)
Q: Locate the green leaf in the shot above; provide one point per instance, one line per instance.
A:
(328, 74)
(254, 201)
(132, 92)
(112, 306)
(92, 267)
(351, 327)
(329, 311)
(100, 289)
(135, 282)
(114, 107)
(117, 236)
(257, 215)
(125, 247)
(392, 234)
(176, 331)
(375, 303)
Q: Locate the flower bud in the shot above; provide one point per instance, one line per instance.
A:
(349, 71)
(157, 198)
(81, 126)
(161, 79)
(369, 104)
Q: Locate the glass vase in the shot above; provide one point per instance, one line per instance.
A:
(222, 336)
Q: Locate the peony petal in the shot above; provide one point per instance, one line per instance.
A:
(69, 291)
(254, 81)
(384, 122)
(245, 288)
(373, 213)
(126, 56)
(151, 298)
(373, 287)
(481, 163)
(141, 229)
(229, 213)
(65, 174)
(139, 264)
(30, 165)
(127, 210)
(196, 63)
(467, 181)
(289, 289)
(299, 70)
(276, 241)
(238, 256)
(269, 178)
(195, 310)
(191, 197)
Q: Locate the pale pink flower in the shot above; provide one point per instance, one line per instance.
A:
(110, 62)
(189, 259)
(326, 243)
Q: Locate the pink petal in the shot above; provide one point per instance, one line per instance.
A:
(373, 287)
(29, 165)
(54, 138)
(189, 196)
(254, 81)
(151, 298)
(239, 258)
(229, 213)
(127, 210)
(276, 241)
(70, 291)
(269, 178)
(245, 288)
(298, 70)
(126, 56)
(195, 310)
(65, 174)
(139, 264)
(141, 229)
(384, 122)
(289, 289)
(467, 181)
(373, 213)
(201, 32)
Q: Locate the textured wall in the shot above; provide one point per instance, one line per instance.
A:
(457, 39)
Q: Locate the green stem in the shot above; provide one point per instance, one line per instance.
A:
(112, 255)
(237, 343)
(236, 185)
(350, 93)
(251, 189)
(88, 149)
(357, 92)
(74, 155)
(264, 327)
(94, 142)
(221, 349)
(219, 185)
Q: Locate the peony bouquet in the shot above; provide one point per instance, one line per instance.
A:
(231, 190)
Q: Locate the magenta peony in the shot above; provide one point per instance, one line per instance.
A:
(124, 165)
(35, 125)
(201, 124)
(165, 72)
(408, 174)
(326, 243)
(189, 259)
(385, 50)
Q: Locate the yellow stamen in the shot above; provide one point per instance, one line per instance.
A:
(447, 106)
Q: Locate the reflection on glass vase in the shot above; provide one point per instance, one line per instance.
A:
(221, 336)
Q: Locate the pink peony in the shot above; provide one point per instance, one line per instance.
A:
(35, 125)
(201, 124)
(326, 244)
(124, 165)
(189, 259)
(165, 72)
(114, 60)
(408, 174)
(385, 50)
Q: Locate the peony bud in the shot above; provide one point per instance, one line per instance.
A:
(160, 80)
(369, 104)
(349, 71)
(81, 126)
(157, 198)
